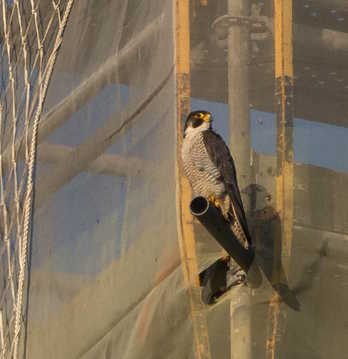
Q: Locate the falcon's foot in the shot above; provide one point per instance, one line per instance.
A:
(236, 275)
(215, 201)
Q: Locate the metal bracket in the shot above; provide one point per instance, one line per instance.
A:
(260, 28)
(256, 24)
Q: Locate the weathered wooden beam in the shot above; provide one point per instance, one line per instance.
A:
(283, 48)
(186, 234)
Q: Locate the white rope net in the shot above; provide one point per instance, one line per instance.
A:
(30, 36)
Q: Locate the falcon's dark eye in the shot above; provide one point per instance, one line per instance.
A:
(196, 123)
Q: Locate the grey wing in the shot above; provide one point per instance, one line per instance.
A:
(221, 157)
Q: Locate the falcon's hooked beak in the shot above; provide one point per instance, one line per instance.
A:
(203, 116)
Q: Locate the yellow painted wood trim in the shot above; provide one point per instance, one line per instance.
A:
(182, 38)
(283, 48)
(283, 19)
(186, 235)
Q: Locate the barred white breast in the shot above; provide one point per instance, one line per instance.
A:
(203, 175)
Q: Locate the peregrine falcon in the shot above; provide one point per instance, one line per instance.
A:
(210, 169)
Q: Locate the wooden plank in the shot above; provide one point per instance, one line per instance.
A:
(285, 160)
(186, 235)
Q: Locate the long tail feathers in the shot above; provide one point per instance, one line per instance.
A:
(236, 227)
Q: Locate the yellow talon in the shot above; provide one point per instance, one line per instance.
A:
(216, 202)
(212, 199)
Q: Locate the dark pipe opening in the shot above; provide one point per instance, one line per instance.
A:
(199, 206)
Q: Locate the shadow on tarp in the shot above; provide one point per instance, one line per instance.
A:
(266, 229)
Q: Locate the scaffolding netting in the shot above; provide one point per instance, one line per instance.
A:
(31, 34)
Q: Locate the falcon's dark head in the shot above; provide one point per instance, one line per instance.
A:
(198, 121)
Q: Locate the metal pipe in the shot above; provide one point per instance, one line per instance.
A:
(238, 99)
(211, 218)
(239, 128)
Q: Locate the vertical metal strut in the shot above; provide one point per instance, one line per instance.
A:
(238, 106)
(238, 83)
